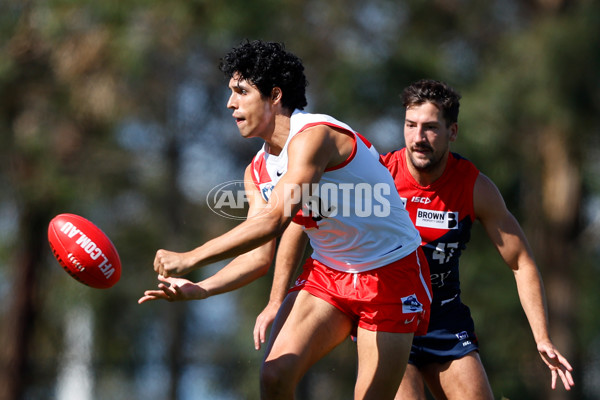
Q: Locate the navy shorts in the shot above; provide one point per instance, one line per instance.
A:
(451, 335)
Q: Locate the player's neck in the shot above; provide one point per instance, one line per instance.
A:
(276, 141)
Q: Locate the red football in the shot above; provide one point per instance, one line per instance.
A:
(84, 251)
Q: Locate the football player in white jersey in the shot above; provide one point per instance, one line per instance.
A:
(367, 277)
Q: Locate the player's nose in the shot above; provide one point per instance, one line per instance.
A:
(231, 102)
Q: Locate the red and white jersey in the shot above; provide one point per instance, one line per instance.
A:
(354, 217)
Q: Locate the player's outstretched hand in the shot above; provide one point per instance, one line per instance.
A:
(169, 263)
(559, 366)
(174, 289)
(264, 319)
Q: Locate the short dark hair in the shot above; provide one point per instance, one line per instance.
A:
(439, 93)
(268, 65)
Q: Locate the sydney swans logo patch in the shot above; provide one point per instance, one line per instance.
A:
(410, 304)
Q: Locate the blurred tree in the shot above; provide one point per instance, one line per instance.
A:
(537, 103)
(65, 83)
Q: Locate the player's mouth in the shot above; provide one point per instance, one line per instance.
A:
(421, 149)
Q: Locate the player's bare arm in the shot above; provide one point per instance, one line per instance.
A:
(289, 254)
(310, 152)
(250, 234)
(239, 272)
(248, 266)
(508, 237)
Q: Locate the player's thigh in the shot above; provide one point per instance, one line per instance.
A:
(382, 360)
(307, 329)
(411, 387)
(464, 378)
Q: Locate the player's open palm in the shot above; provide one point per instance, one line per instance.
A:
(174, 289)
(559, 366)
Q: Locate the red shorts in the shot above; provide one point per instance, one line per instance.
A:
(394, 298)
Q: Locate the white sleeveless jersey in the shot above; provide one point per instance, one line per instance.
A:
(354, 217)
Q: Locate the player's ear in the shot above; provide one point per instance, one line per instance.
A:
(453, 131)
(276, 94)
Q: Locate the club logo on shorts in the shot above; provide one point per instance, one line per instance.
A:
(299, 282)
(410, 304)
(462, 335)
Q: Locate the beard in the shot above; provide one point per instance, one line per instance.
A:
(424, 162)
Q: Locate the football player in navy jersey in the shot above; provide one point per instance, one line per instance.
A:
(444, 194)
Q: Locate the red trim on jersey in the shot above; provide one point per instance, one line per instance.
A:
(354, 150)
(364, 139)
(350, 157)
(345, 131)
(259, 168)
(310, 125)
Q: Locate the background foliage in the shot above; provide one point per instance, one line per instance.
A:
(115, 110)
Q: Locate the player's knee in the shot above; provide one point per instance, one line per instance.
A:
(277, 377)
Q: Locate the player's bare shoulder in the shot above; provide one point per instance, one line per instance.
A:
(487, 199)
(333, 143)
(314, 145)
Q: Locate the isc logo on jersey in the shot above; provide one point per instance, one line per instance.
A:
(437, 219)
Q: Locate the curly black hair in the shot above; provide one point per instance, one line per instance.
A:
(439, 93)
(268, 65)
